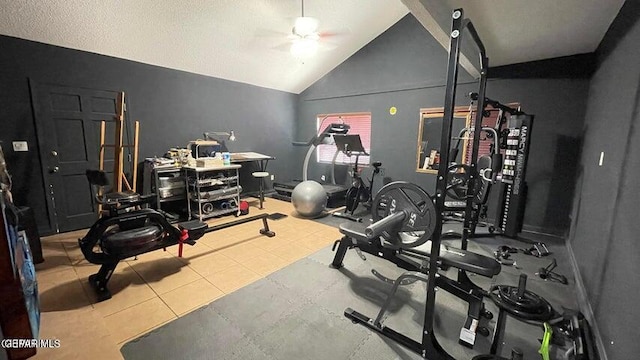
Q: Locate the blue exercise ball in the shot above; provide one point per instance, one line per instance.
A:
(309, 198)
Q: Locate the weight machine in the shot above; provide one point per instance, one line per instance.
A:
(509, 173)
(407, 230)
(491, 169)
(513, 187)
(404, 219)
(488, 170)
(410, 221)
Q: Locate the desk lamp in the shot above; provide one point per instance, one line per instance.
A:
(230, 134)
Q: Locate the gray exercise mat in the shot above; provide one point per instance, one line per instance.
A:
(297, 313)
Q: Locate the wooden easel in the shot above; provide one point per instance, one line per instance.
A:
(119, 178)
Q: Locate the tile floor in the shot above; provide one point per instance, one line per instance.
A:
(159, 287)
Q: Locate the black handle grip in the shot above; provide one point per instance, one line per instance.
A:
(453, 154)
(522, 285)
(496, 163)
(387, 223)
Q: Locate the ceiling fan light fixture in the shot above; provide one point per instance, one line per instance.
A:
(304, 48)
(305, 26)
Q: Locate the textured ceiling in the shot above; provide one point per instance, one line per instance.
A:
(240, 40)
(246, 40)
(515, 31)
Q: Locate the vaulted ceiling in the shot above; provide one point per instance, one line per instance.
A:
(247, 40)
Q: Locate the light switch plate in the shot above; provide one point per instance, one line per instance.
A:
(20, 146)
(601, 161)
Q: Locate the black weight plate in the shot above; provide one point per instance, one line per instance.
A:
(530, 306)
(457, 181)
(351, 199)
(421, 220)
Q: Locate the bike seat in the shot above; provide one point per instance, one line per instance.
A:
(120, 197)
(136, 240)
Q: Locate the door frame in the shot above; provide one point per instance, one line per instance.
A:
(36, 87)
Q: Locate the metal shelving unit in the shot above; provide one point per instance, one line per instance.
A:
(172, 190)
(210, 189)
(169, 187)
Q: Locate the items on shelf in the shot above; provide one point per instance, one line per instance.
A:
(166, 180)
(209, 162)
(212, 191)
(203, 148)
(158, 162)
(181, 156)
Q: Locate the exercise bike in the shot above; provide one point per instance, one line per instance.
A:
(359, 192)
(126, 229)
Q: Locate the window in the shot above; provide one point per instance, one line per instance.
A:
(360, 124)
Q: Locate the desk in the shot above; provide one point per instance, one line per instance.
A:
(262, 159)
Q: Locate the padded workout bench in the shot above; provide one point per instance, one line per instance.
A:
(416, 260)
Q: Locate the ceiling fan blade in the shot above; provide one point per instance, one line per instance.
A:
(334, 34)
(286, 47)
(266, 33)
(326, 46)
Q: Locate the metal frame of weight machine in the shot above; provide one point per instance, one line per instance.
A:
(429, 347)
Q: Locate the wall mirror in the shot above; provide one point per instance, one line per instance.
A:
(429, 136)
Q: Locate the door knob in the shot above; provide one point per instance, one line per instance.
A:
(54, 169)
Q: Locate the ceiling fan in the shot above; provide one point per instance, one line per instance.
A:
(305, 39)
(304, 36)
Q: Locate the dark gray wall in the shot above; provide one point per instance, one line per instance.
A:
(172, 106)
(406, 68)
(606, 227)
(403, 57)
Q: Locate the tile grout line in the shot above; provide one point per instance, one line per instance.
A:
(84, 291)
(152, 289)
(227, 293)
